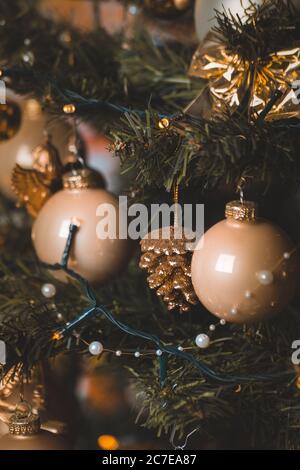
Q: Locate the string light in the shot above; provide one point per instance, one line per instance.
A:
(69, 108)
(164, 123)
(108, 442)
(56, 336)
(162, 351)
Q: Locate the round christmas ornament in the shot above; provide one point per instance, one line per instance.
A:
(98, 253)
(25, 433)
(167, 8)
(244, 268)
(167, 260)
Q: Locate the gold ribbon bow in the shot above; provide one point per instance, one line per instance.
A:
(232, 80)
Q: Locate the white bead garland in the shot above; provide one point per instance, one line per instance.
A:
(48, 290)
(96, 348)
(202, 341)
(265, 277)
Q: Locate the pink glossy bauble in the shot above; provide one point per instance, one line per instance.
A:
(243, 271)
(96, 259)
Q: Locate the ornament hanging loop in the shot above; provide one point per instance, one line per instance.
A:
(240, 189)
(176, 202)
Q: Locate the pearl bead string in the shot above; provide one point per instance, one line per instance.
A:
(163, 350)
(202, 340)
(96, 348)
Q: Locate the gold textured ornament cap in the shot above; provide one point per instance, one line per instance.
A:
(242, 211)
(24, 422)
(83, 178)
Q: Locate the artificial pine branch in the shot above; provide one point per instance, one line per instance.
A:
(27, 321)
(200, 152)
(266, 28)
(66, 65)
(191, 150)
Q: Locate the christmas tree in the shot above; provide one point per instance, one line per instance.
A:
(206, 334)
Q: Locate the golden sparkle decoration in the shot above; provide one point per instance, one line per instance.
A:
(69, 108)
(33, 187)
(166, 257)
(10, 120)
(298, 382)
(232, 79)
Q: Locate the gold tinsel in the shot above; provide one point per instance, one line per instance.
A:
(167, 260)
(232, 80)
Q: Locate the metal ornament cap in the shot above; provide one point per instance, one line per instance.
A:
(241, 210)
(24, 422)
(83, 178)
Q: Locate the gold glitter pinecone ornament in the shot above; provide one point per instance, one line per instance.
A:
(168, 261)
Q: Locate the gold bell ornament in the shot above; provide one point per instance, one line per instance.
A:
(25, 433)
(244, 268)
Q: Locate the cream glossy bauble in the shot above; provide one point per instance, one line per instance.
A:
(93, 256)
(244, 268)
(205, 12)
(30, 133)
